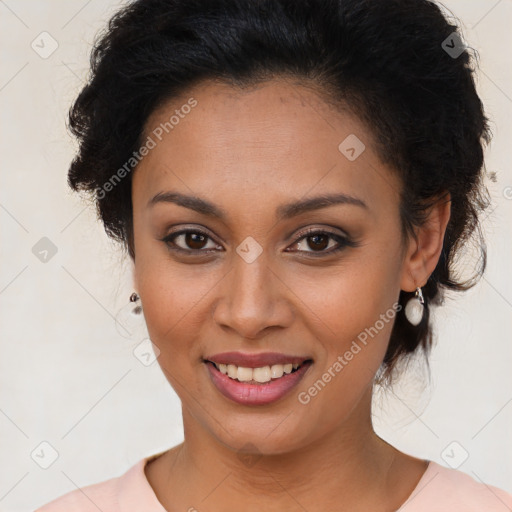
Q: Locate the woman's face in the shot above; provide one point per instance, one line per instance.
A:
(248, 279)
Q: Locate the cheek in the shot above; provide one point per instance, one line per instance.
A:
(170, 305)
(175, 302)
(353, 296)
(357, 306)
(357, 312)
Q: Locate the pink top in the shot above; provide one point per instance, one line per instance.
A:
(440, 489)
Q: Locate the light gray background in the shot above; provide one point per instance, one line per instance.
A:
(69, 379)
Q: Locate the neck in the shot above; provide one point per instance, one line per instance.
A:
(351, 464)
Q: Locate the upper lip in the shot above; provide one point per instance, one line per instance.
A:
(255, 360)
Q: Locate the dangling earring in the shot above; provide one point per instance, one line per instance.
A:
(134, 297)
(128, 319)
(131, 325)
(415, 307)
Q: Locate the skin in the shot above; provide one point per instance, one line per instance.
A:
(249, 151)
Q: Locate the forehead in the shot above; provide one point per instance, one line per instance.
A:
(274, 140)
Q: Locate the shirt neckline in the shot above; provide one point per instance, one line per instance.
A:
(137, 494)
(429, 474)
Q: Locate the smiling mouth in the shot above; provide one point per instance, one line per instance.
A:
(261, 375)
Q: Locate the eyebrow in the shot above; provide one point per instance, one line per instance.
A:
(284, 211)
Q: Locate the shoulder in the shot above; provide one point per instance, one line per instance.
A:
(91, 498)
(109, 495)
(443, 489)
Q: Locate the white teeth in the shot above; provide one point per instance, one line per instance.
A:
(232, 371)
(244, 374)
(262, 374)
(276, 371)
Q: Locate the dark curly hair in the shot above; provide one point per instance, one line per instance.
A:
(399, 65)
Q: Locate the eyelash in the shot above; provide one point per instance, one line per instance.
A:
(342, 240)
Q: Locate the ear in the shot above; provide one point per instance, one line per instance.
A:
(423, 250)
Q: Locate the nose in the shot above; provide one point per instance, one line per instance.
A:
(253, 299)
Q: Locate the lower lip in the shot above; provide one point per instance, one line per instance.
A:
(256, 394)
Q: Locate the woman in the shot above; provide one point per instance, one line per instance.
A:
(293, 180)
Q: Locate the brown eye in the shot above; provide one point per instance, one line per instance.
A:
(318, 242)
(195, 240)
(189, 241)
